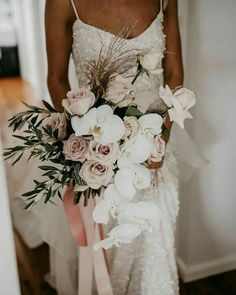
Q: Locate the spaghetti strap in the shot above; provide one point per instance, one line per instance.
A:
(161, 5)
(74, 8)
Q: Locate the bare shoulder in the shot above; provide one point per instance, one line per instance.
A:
(59, 10)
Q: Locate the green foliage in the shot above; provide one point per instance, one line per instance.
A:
(133, 111)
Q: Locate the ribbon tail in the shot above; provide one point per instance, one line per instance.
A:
(74, 218)
(100, 268)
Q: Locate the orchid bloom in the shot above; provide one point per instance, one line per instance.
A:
(108, 206)
(179, 103)
(101, 123)
(131, 177)
(124, 233)
(150, 125)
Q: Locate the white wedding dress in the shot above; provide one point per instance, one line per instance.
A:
(147, 266)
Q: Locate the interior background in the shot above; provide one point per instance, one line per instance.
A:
(206, 240)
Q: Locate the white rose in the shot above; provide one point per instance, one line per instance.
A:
(104, 154)
(96, 174)
(132, 126)
(158, 151)
(78, 102)
(151, 61)
(56, 121)
(118, 89)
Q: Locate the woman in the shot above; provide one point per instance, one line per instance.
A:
(146, 266)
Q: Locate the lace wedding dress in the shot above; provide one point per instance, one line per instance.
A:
(147, 266)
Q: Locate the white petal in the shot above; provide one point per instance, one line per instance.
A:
(101, 212)
(112, 195)
(82, 125)
(153, 122)
(124, 233)
(179, 118)
(106, 244)
(142, 177)
(124, 183)
(103, 112)
(166, 94)
(113, 129)
(137, 150)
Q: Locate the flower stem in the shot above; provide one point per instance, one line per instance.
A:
(139, 72)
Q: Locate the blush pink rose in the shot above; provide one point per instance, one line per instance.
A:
(118, 89)
(78, 102)
(104, 154)
(158, 151)
(75, 148)
(56, 121)
(96, 174)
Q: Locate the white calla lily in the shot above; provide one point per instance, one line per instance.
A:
(101, 123)
(124, 233)
(143, 214)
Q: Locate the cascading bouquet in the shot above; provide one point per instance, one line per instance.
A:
(102, 141)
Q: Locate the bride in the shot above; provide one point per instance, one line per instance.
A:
(147, 266)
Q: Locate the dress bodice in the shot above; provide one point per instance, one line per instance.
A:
(87, 42)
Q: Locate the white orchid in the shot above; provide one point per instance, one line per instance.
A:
(149, 126)
(130, 178)
(124, 233)
(108, 206)
(179, 103)
(144, 214)
(101, 123)
(151, 123)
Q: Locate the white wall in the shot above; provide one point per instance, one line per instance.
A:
(29, 26)
(9, 284)
(207, 236)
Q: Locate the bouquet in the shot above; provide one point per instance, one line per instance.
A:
(100, 145)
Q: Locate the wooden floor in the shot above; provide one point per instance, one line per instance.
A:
(12, 91)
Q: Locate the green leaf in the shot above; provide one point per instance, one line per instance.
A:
(20, 137)
(77, 197)
(165, 132)
(48, 196)
(17, 159)
(30, 205)
(45, 168)
(49, 107)
(133, 111)
(30, 193)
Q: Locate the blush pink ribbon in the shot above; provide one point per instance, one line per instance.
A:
(86, 233)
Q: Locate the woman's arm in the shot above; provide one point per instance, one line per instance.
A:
(58, 23)
(173, 66)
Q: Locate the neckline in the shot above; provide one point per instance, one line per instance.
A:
(159, 14)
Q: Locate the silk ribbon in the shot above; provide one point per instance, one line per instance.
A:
(86, 233)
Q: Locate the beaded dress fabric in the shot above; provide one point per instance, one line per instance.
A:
(147, 266)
